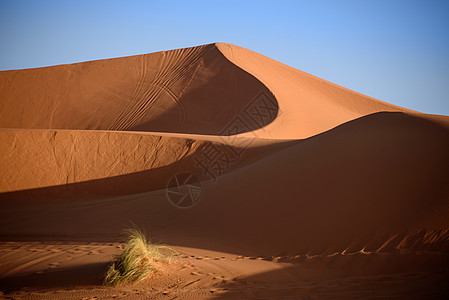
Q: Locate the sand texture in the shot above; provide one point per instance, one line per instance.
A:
(294, 187)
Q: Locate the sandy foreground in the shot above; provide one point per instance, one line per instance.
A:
(270, 183)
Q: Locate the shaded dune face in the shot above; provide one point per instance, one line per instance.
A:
(338, 171)
(350, 188)
(192, 90)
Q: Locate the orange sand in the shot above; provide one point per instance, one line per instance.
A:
(315, 190)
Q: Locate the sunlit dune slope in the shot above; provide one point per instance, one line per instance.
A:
(375, 184)
(44, 158)
(308, 105)
(323, 168)
(101, 160)
(192, 90)
(199, 90)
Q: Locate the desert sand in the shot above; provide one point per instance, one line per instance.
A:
(302, 188)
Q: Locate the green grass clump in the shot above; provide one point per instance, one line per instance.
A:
(138, 260)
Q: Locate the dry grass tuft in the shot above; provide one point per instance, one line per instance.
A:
(138, 260)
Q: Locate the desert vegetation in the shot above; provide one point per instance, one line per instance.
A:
(140, 258)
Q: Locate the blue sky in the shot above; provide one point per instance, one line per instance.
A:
(396, 51)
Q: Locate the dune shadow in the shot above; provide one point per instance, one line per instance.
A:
(69, 277)
(220, 99)
(147, 180)
(392, 274)
(193, 90)
(267, 285)
(358, 177)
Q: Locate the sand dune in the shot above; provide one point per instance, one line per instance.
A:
(301, 180)
(193, 90)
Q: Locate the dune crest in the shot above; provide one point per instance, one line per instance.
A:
(192, 90)
(309, 105)
(292, 173)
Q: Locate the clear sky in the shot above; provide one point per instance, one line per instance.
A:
(396, 51)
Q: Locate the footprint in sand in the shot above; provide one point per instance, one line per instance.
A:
(54, 265)
(218, 291)
(196, 273)
(202, 257)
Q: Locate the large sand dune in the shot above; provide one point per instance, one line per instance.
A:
(302, 180)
